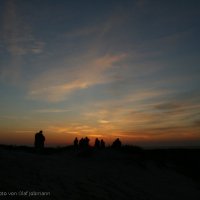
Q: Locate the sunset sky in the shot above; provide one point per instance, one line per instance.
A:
(100, 68)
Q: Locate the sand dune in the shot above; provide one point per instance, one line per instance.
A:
(104, 175)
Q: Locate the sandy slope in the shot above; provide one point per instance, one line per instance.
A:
(105, 175)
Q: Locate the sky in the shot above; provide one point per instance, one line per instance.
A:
(100, 68)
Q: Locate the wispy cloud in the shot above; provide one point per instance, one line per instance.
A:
(197, 123)
(18, 36)
(18, 41)
(52, 110)
(72, 130)
(57, 84)
(25, 131)
(147, 111)
(12, 117)
(168, 106)
(102, 121)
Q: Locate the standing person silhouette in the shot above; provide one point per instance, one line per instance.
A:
(97, 143)
(102, 144)
(76, 143)
(39, 140)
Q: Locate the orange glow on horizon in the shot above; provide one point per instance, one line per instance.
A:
(64, 138)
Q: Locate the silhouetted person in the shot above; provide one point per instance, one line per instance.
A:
(76, 143)
(97, 143)
(117, 144)
(81, 143)
(102, 144)
(39, 140)
(86, 142)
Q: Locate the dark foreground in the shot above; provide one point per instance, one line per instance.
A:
(127, 173)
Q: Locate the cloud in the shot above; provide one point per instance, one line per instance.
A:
(25, 131)
(52, 110)
(57, 84)
(12, 117)
(132, 111)
(197, 123)
(17, 41)
(102, 121)
(146, 111)
(72, 129)
(17, 34)
(167, 106)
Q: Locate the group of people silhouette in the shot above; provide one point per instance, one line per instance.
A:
(99, 144)
(83, 143)
(117, 144)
